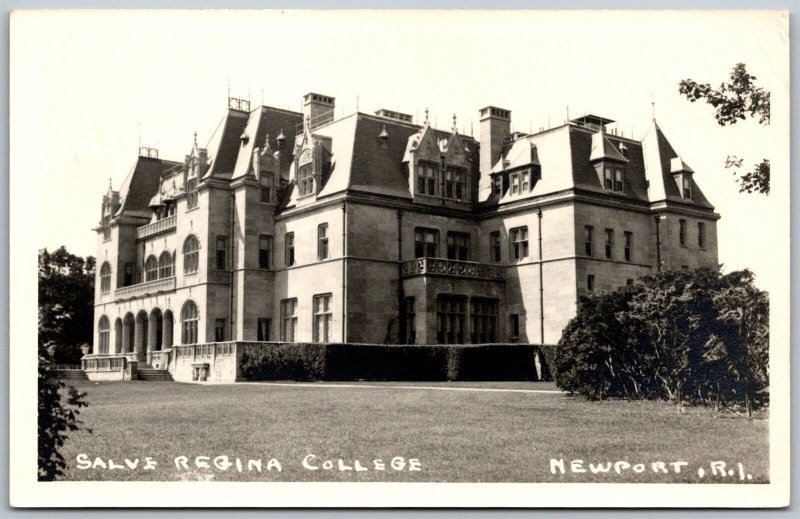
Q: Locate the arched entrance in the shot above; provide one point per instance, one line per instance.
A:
(167, 334)
(117, 336)
(128, 329)
(140, 336)
(156, 333)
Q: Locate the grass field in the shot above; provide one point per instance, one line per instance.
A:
(477, 436)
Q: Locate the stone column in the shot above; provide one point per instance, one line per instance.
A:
(152, 329)
(140, 331)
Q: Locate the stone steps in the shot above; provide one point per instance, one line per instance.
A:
(151, 374)
(70, 374)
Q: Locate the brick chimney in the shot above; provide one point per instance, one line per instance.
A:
(319, 107)
(495, 129)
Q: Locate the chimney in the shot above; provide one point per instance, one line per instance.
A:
(319, 108)
(495, 129)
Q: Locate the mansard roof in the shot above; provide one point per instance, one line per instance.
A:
(261, 122)
(141, 183)
(603, 149)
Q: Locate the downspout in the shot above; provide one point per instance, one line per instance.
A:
(233, 249)
(401, 326)
(541, 279)
(658, 243)
(344, 271)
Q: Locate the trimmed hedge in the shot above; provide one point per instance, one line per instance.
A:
(337, 361)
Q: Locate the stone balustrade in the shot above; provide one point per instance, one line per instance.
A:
(453, 268)
(164, 225)
(148, 288)
(104, 362)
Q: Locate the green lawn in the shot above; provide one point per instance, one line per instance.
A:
(472, 436)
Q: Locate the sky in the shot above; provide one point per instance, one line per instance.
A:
(87, 87)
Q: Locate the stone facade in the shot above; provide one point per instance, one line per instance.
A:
(295, 226)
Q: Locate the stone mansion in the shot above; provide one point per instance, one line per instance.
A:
(376, 228)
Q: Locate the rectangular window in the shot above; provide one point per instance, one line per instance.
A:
(265, 252)
(130, 274)
(222, 253)
(454, 183)
(450, 319)
(589, 240)
(525, 181)
(701, 235)
(425, 242)
(590, 283)
(618, 182)
(264, 332)
(483, 318)
(411, 321)
(682, 232)
(323, 316)
(687, 187)
(305, 180)
(628, 245)
(519, 243)
(322, 241)
(608, 178)
(219, 330)
(426, 179)
(191, 193)
(609, 243)
(288, 319)
(289, 256)
(106, 227)
(495, 248)
(458, 246)
(514, 184)
(266, 182)
(514, 325)
(497, 185)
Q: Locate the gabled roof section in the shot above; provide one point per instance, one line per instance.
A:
(603, 149)
(658, 162)
(141, 184)
(223, 147)
(264, 121)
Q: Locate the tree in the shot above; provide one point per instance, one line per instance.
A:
(735, 101)
(66, 297)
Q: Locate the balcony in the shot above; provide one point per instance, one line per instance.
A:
(149, 288)
(451, 268)
(151, 229)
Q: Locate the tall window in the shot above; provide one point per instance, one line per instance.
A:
(425, 242)
(151, 269)
(495, 247)
(514, 325)
(219, 330)
(130, 274)
(497, 185)
(105, 278)
(106, 227)
(103, 334)
(191, 193)
(222, 253)
(411, 321)
(322, 241)
(614, 178)
(590, 283)
(165, 265)
(618, 182)
(265, 252)
(455, 183)
(589, 240)
(288, 319)
(266, 181)
(483, 317)
(519, 243)
(289, 243)
(687, 187)
(426, 179)
(264, 331)
(628, 245)
(450, 317)
(514, 180)
(520, 182)
(458, 246)
(189, 320)
(191, 254)
(608, 178)
(701, 235)
(322, 317)
(609, 243)
(682, 232)
(305, 180)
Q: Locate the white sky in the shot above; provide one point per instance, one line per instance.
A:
(85, 84)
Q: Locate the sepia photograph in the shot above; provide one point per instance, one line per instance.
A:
(484, 258)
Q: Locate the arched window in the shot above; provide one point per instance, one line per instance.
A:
(165, 265)
(189, 319)
(191, 254)
(104, 335)
(105, 278)
(151, 269)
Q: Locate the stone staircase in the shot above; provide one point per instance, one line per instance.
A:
(70, 374)
(150, 374)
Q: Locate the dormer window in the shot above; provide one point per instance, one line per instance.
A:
(305, 180)
(266, 181)
(687, 186)
(497, 185)
(426, 179)
(455, 183)
(613, 178)
(520, 182)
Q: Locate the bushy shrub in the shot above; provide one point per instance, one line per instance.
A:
(283, 361)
